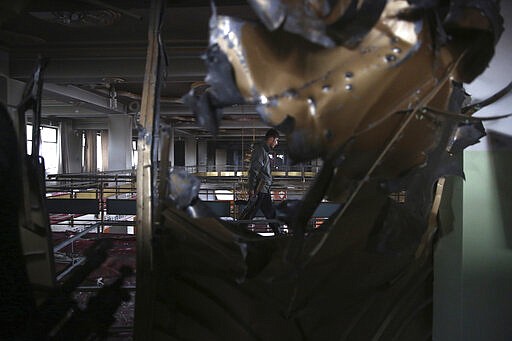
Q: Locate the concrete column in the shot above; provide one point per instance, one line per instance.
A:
(91, 155)
(473, 264)
(210, 154)
(119, 142)
(71, 148)
(202, 156)
(104, 149)
(230, 157)
(191, 154)
(171, 150)
(220, 159)
(487, 245)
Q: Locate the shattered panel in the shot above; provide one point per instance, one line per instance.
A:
(374, 89)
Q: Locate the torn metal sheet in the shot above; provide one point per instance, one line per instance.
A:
(306, 90)
(374, 89)
(464, 136)
(327, 23)
(326, 83)
(183, 187)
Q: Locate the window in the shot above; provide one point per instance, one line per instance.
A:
(83, 150)
(99, 153)
(399, 197)
(135, 154)
(48, 148)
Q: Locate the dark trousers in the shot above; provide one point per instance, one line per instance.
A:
(264, 203)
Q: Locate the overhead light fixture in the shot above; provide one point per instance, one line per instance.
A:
(110, 84)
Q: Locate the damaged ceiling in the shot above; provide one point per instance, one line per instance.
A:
(97, 53)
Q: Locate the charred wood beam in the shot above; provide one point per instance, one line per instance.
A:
(146, 174)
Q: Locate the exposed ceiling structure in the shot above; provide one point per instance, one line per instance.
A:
(97, 52)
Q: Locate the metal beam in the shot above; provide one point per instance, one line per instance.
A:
(225, 125)
(88, 124)
(75, 237)
(182, 110)
(70, 92)
(71, 111)
(76, 263)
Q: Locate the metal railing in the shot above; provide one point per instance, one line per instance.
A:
(237, 170)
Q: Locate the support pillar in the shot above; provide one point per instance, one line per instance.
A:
(191, 154)
(171, 149)
(91, 161)
(119, 142)
(71, 148)
(202, 156)
(220, 159)
(210, 155)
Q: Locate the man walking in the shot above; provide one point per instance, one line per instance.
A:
(260, 179)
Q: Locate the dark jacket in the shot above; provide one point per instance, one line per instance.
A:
(260, 167)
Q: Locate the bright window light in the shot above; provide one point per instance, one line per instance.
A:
(99, 154)
(224, 194)
(48, 147)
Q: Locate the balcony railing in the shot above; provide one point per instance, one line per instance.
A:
(296, 171)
